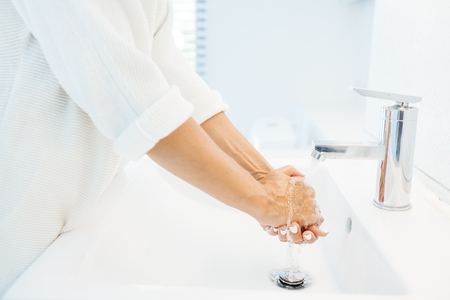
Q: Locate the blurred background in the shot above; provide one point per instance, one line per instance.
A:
(278, 62)
(284, 67)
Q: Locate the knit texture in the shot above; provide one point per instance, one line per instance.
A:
(83, 83)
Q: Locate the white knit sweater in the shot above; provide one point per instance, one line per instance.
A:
(82, 84)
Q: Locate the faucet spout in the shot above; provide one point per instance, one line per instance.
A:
(345, 150)
(394, 152)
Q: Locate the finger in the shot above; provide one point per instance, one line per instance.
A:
(267, 228)
(273, 231)
(309, 237)
(296, 233)
(290, 171)
(318, 232)
(320, 220)
(270, 229)
(282, 233)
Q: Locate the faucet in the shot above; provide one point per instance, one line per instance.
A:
(394, 151)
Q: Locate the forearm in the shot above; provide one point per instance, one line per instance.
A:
(190, 154)
(233, 143)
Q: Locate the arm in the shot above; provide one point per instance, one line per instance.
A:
(107, 70)
(178, 72)
(233, 143)
(190, 154)
(128, 98)
(208, 111)
(208, 105)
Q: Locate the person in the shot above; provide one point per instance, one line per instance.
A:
(86, 85)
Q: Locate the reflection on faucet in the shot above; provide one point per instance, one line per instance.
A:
(395, 150)
(338, 150)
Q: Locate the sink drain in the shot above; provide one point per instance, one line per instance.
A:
(291, 279)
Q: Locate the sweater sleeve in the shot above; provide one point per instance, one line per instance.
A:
(177, 71)
(100, 53)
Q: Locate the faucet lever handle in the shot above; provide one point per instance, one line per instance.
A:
(402, 100)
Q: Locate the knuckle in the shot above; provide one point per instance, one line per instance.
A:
(298, 240)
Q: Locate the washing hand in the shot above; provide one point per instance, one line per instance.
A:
(269, 205)
(290, 196)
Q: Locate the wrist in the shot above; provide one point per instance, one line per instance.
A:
(263, 207)
(259, 174)
(233, 143)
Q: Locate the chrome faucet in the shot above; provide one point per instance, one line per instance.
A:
(395, 150)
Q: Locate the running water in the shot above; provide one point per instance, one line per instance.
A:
(311, 171)
(293, 265)
(292, 277)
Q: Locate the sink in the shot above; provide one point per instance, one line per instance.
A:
(151, 235)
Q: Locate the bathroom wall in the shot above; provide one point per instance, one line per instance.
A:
(411, 54)
(285, 57)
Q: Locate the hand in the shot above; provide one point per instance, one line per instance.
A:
(286, 194)
(287, 185)
(308, 236)
(233, 143)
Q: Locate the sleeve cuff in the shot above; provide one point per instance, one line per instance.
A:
(208, 105)
(154, 124)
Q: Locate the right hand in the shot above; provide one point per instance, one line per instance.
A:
(287, 192)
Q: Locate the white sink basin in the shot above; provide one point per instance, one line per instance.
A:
(152, 235)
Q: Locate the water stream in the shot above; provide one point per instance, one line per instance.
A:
(311, 171)
(293, 274)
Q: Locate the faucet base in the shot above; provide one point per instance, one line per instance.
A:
(391, 208)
